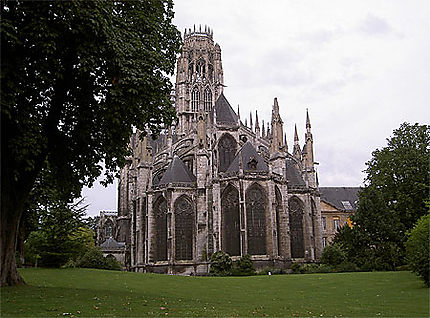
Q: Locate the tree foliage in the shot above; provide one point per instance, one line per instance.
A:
(76, 77)
(418, 249)
(393, 199)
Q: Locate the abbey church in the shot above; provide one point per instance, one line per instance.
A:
(214, 182)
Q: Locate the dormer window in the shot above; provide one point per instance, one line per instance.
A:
(252, 163)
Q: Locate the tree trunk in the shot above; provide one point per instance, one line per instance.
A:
(10, 220)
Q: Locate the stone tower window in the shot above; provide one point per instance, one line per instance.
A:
(201, 68)
(195, 99)
(208, 99)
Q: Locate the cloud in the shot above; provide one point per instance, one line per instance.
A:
(373, 25)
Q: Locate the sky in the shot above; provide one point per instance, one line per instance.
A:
(361, 68)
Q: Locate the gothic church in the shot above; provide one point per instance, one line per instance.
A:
(215, 183)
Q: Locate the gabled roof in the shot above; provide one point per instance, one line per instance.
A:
(250, 158)
(294, 177)
(111, 244)
(342, 198)
(224, 112)
(177, 172)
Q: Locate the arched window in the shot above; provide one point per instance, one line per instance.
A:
(108, 228)
(278, 198)
(230, 222)
(160, 216)
(211, 73)
(295, 206)
(184, 228)
(256, 219)
(195, 100)
(208, 99)
(190, 71)
(227, 150)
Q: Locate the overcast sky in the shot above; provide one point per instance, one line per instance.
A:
(360, 67)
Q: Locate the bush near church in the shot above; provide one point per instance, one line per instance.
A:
(417, 249)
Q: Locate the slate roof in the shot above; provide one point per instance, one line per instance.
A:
(294, 177)
(111, 244)
(335, 195)
(177, 172)
(248, 153)
(224, 112)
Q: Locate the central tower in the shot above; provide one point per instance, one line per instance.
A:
(199, 79)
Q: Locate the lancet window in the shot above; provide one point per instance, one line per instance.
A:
(195, 100)
(208, 99)
(227, 149)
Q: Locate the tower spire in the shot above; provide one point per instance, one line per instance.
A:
(277, 143)
(296, 149)
(257, 125)
(308, 122)
(250, 120)
(263, 132)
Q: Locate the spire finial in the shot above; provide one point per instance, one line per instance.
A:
(308, 122)
(257, 125)
(238, 112)
(250, 120)
(263, 132)
(296, 136)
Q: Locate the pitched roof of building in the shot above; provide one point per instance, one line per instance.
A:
(342, 198)
(251, 160)
(111, 244)
(177, 172)
(224, 112)
(294, 177)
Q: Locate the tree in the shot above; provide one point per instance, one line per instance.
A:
(393, 199)
(418, 249)
(76, 77)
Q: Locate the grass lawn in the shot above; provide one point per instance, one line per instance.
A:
(86, 292)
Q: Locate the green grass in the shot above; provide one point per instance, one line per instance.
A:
(86, 292)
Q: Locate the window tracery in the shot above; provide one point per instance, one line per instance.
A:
(256, 219)
(184, 228)
(230, 221)
(296, 210)
(160, 216)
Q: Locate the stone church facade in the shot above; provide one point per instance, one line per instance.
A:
(213, 182)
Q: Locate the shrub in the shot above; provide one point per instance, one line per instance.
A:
(243, 267)
(221, 264)
(333, 255)
(93, 258)
(417, 249)
(296, 268)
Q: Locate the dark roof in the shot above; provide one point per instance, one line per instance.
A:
(339, 196)
(177, 172)
(224, 112)
(294, 177)
(111, 244)
(248, 154)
